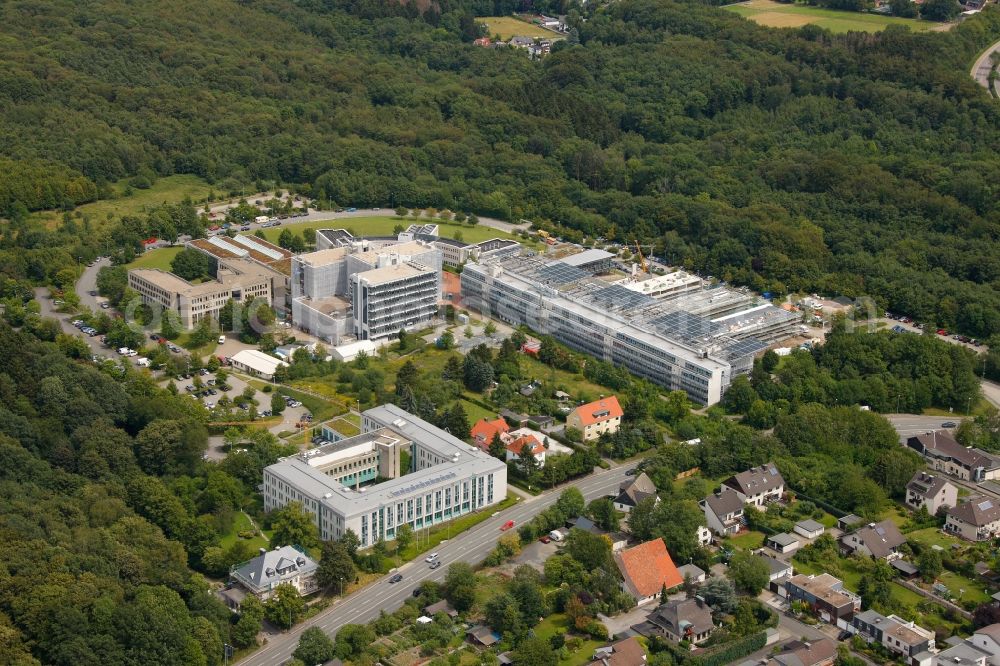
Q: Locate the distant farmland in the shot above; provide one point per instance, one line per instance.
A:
(779, 15)
(508, 26)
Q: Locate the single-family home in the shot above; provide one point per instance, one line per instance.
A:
(628, 652)
(261, 575)
(632, 491)
(975, 520)
(894, 633)
(724, 512)
(646, 569)
(822, 652)
(758, 485)
(596, 418)
(880, 541)
(782, 543)
(485, 430)
(585, 524)
(441, 606)
(987, 639)
(693, 572)
(949, 457)
(684, 620)
(809, 528)
(931, 492)
(826, 595)
(526, 443)
(961, 653)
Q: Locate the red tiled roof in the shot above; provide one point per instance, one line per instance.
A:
(517, 446)
(648, 567)
(484, 430)
(599, 411)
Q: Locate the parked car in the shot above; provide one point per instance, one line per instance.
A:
(545, 539)
(105, 305)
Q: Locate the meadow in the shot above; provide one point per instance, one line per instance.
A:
(780, 15)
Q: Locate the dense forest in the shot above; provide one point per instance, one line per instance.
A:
(786, 160)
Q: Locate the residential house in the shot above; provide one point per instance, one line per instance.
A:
(949, 457)
(987, 639)
(695, 573)
(517, 447)
(892, 632)
(596, 418)
(758, 485)
(931, 492)
(632, 491)
(684, 620)
(585, 524)
(724, 512)
(782, 543)
(777, 569)
(484, 431)
(961, 653)
(880, 541)
(628, 652)
(826, 595)
(646, 569)
(810, 529)
(261, 575)
(822, 652)
(975, 520)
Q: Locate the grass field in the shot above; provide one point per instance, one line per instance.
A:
(778, 15)
(170, 189)
(158, 258)
(383, 226)
(509, 26)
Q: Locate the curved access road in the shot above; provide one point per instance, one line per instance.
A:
(981, 70)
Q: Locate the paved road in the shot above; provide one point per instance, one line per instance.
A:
(88, 283)
(908, 425)
(981, 70)
(472, 547)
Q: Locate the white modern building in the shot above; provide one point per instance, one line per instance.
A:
(447, 478)
(364, 290)
(679, 343)
(256, 363)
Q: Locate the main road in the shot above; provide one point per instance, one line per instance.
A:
(981, 69)
(470, 546)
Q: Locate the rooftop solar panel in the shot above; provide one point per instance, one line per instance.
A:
(618, 296)
(560, 273)
(685, 324)
(224, 243)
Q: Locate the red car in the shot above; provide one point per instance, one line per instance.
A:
(506, 526)
(942, 331)
(545, 539)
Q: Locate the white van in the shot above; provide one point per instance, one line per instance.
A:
(556, 535)
(222, 339)
(123, 351)
(142, 362)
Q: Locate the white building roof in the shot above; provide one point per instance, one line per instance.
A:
(258, 361)
(586, 257)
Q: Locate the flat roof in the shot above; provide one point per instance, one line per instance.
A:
(323, 257)
(328, 305)
(587, 257)
(469, 460)
(258, 360)
(392, 273)
(162, 279)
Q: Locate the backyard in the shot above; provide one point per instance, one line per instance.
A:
(511, 26)
(781, 15)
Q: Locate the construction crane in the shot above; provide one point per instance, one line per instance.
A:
(642, 259)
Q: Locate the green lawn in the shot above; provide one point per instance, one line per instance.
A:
(346, 425)
(574, 384)
(424, 541)
(511, 26)
(241, 524)
(321, 409)
(972, 590)
(747, 540)
(779, 15)
(932, 536)
(475, 412)
(170, 189)
(158, 258)
(384, 225)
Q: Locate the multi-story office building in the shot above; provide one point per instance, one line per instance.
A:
(365, 290)
(447, 478)
(237, 279)
(674, 342)
(391, 298)
(453, 252)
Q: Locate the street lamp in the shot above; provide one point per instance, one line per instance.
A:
(340, 580)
